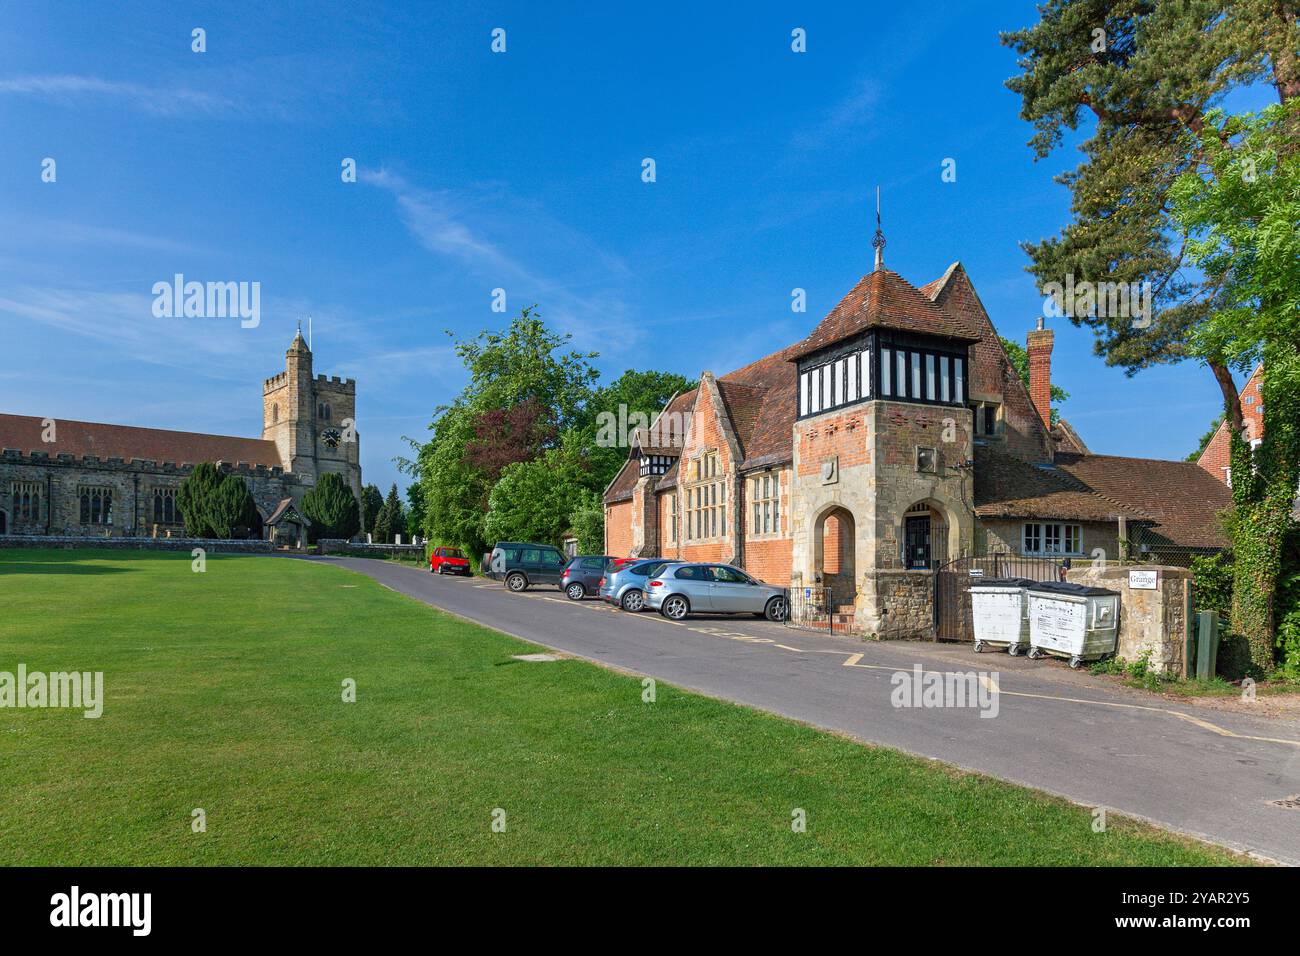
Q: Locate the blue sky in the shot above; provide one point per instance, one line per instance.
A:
(519, 170)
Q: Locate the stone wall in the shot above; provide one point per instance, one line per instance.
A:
(904, 601)
(215, 545)
(131, 483)
(1154, 621)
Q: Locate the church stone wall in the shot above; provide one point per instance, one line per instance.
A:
(132, 484)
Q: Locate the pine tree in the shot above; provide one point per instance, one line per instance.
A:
(194, 497)
(390, 520)
(332, 509)
(372, 499)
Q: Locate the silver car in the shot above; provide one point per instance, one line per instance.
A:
(678, 590)
(625, 588)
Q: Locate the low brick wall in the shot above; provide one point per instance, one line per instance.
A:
(243, 546)
(1154, 621)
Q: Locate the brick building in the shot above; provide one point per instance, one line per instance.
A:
(1215, 458)
(67, 477)
(895, 437)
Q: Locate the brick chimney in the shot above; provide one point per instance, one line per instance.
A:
(1039, 347)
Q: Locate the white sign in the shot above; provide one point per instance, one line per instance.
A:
(977, 572)
(1144, 580)
(1058, 625)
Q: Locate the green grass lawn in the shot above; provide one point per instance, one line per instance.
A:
(223, 692)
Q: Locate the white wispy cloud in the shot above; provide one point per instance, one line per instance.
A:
(588, 300)
(159, 100)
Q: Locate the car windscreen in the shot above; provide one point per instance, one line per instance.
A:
(452, 553)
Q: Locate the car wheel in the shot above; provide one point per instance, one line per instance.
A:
(516, 582)
(775, 610)
(633, 600)
(675, 608)
(575, 592)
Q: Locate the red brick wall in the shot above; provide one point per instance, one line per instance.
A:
(1039, 347)
(769, 560)
(843, 436)
(618, 528)
(1215, 458)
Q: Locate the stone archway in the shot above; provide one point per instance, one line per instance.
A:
(835, 553)
(927, 534)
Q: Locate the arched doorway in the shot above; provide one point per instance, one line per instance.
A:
(834, 547)
(924, 537)
(4, 523)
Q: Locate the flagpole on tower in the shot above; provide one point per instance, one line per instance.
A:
(878, 241)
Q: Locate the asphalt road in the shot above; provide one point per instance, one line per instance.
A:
(1199, 770)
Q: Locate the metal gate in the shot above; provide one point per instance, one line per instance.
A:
(811, 608)
(952, 583)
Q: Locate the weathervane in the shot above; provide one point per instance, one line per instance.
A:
(878, 242)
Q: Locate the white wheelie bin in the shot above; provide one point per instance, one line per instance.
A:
(1000, 613)
(1074, 621)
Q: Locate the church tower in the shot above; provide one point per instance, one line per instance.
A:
(312, 419)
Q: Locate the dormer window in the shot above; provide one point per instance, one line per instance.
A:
(655, 465)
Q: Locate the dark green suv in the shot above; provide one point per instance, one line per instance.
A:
(522, 563)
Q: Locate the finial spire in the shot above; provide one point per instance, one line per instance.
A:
(878, 242)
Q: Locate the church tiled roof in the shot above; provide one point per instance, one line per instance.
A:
(884, 299)
(78, 439)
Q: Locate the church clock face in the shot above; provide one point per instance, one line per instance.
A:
(331, 437)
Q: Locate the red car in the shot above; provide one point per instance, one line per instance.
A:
(448, 561)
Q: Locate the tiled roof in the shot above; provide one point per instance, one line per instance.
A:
(761, 400)
(1066, 439)
(884, 299)
(1181, 497)
(620, 489)
(1006, 487)
(126, 442)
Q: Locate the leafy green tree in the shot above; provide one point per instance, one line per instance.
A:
(1240, 211)
(391, 520)
(534, 500)
(1020, 362)
(372, 499)
(527, 362)
(194, 497)
(332, 508)
(587, 522)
